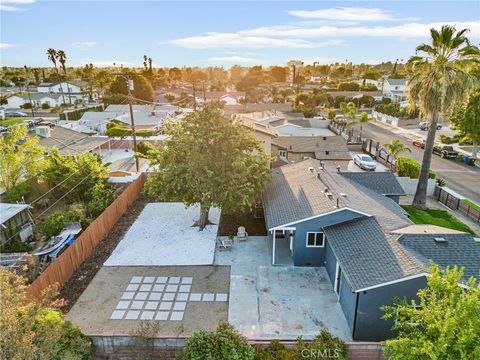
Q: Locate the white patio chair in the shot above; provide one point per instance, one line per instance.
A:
(242, 234)
(225, 244)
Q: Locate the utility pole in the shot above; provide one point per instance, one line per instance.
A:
(132, 122)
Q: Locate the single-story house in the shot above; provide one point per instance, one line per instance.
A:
(292, 149)
(317, 216)
(263, 132)
(384, 183)
(69, 141)
(284, 107)
(37, 100)
(73, 90)
(15, 222)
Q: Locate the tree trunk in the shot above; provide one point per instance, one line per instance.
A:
(474, 150)
(203, 220)
(420, 199)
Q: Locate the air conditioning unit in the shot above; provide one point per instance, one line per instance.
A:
(43, 131)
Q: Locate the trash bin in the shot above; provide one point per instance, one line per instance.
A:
(465, 159)
(471, 161)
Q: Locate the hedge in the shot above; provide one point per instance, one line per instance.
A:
(77, 114)
(411, 168)
(122, 131)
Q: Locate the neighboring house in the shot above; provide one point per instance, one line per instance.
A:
(292, 149)
(125, 170)
(229, 97)
(15, 222)
(384, 183)
(372, 252)
(284, 107)
(147, 117)
(76, 90)
(69, 141)
(263, 132)
(37, 99)
(395, 89)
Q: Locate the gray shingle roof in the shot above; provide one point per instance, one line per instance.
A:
(296, 193)
(396, 82)
(368, 256)
(384, 183)
(459, 249)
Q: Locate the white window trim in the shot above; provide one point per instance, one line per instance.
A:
(315, 246)
(281, 154)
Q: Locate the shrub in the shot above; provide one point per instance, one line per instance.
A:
(101, 196)
(143, 147)
(27, 106)
(77, 114)
(325, 344)
(15, 245)
(223, 344)
(275, 351)
(33, 329)
(449, 139)
(54, 223)
(349, 86)
(466, 140)
(18, 193)
(45, 106)
(411, 168)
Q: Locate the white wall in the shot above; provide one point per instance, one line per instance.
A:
(410, 185)
(14, 102)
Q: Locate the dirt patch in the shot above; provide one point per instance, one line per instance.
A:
(80, 279)
(229, 223)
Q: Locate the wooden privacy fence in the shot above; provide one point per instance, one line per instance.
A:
(67, 263)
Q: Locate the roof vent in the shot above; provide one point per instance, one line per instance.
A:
(324, 138)
(440, 240)
(327, 152)
(343, 195)
(311, 169)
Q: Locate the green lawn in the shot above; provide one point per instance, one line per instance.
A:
(471, 204)
(436, 217)
(13, 121)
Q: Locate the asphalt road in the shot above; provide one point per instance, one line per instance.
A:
(462, 178)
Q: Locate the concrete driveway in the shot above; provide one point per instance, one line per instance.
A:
(272, 302)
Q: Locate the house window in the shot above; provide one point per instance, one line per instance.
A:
(315, 239)
(282, 154)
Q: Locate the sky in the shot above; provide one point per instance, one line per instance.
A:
(223, 33)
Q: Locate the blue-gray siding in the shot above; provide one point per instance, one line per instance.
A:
(347, 301)
(330, 263)
(370, 326)
(308, 256)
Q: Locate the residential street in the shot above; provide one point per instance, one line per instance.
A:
(458, 176)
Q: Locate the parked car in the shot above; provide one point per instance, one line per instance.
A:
(29, 123)
(16, 114)
(420, 143)
(445, 151)
(424, 126)
(364, 162)
(3, 129)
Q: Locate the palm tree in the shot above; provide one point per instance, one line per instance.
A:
(53, 56)
(62, 59)
(438, 80)
(363, 120)
(396, 148)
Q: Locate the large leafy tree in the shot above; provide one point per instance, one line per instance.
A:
(80, 175)
(443, 324)
(466, 119)
(209, 160)
(439, 79)
(35, 329)
(142, 89)
(21, 157)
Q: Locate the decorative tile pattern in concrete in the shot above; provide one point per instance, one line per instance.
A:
(159, 298)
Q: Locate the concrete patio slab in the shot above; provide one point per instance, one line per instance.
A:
(104, 307)
(272, 302)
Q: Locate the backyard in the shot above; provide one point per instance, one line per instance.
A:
(14, 121)
(436, 217)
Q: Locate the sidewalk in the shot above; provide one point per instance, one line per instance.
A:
(432, 203)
